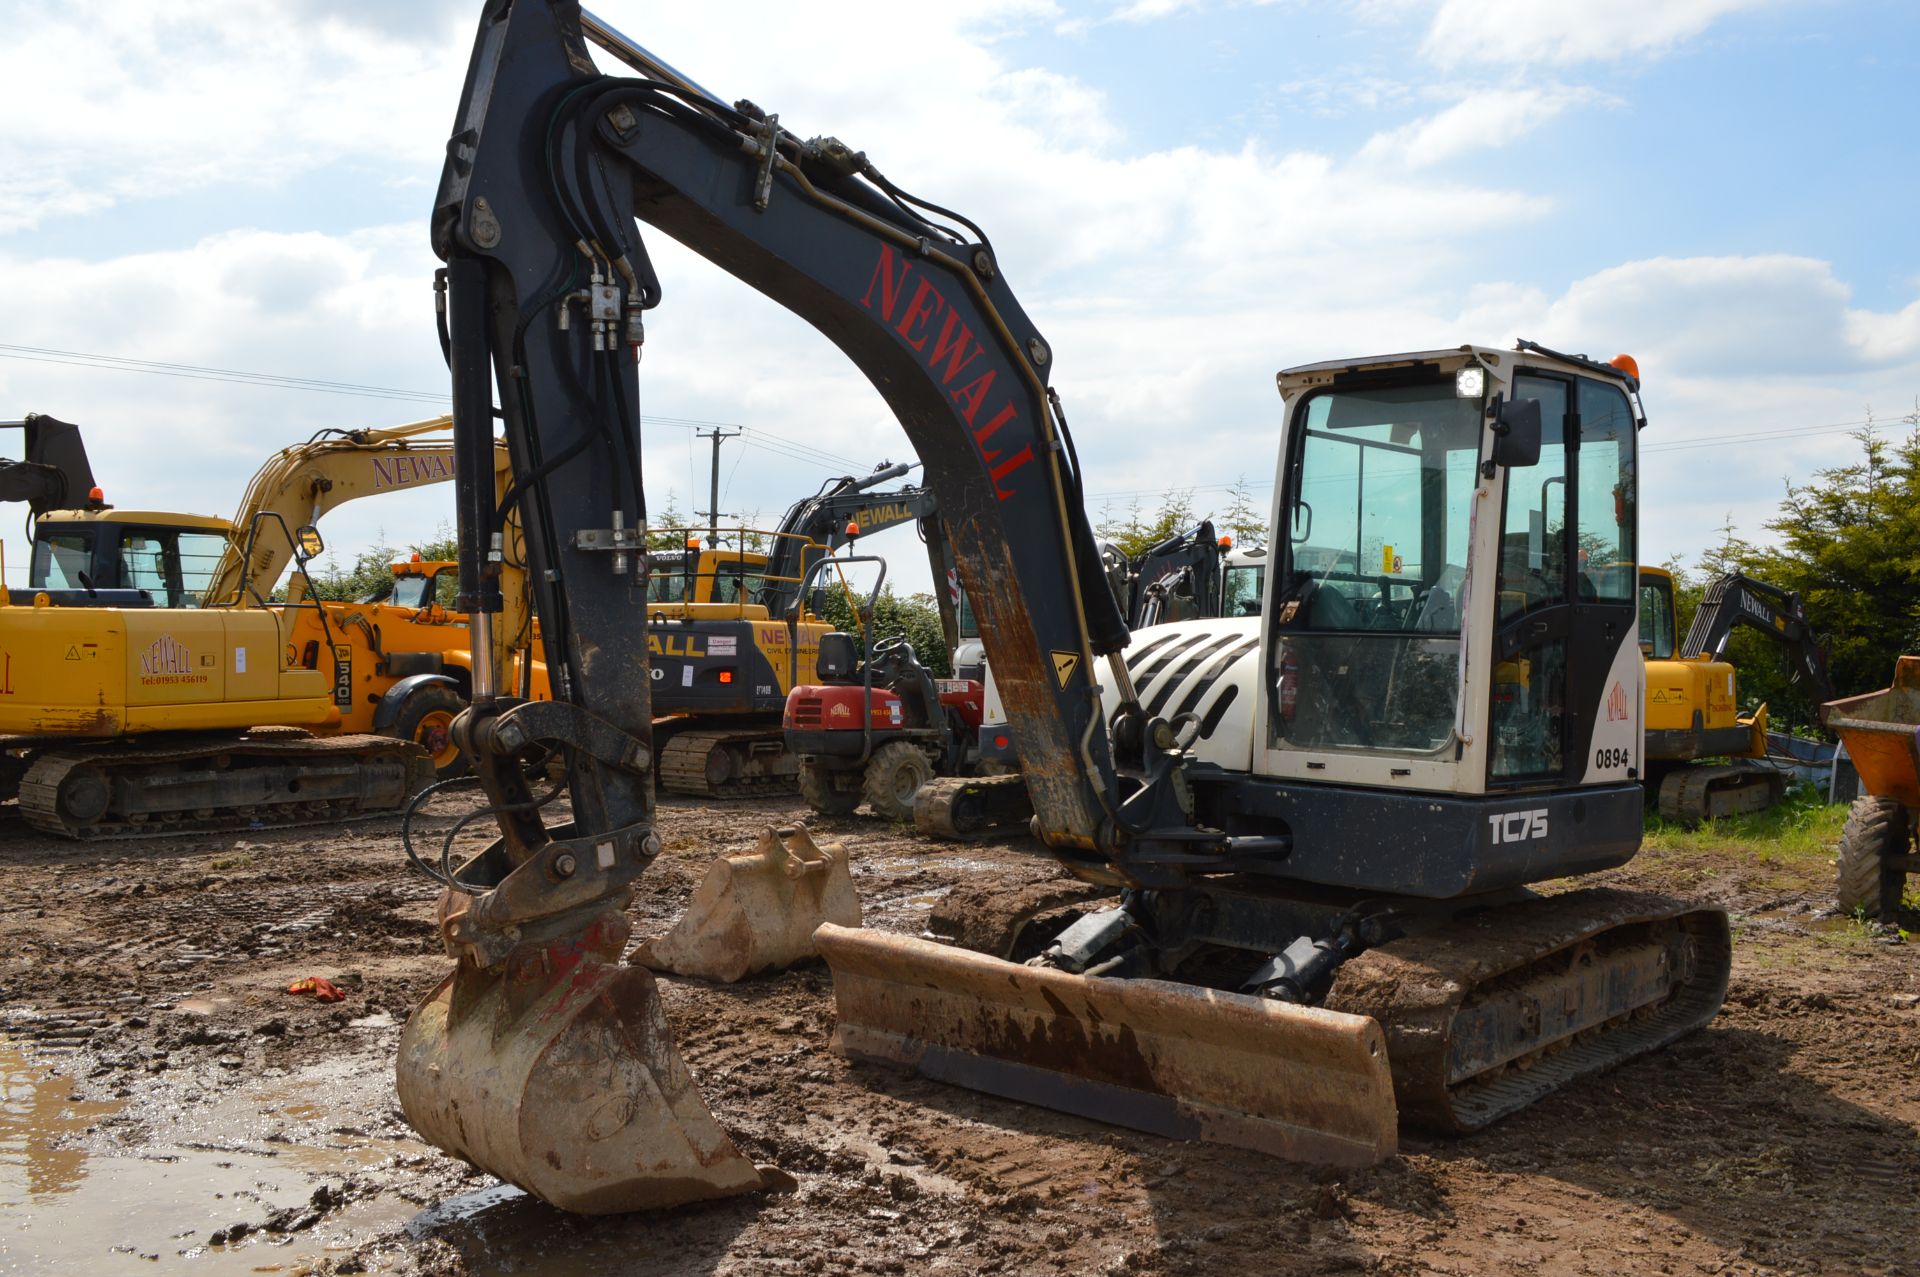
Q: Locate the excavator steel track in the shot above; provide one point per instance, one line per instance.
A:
(737, 763)
(259, 779)
(1497, 1008)
(961, 808)
(1690, 795)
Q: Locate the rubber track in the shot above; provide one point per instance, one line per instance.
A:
(40, 787)
(962, 808)
(1684, 792)
(683, 764)
(1416, 986)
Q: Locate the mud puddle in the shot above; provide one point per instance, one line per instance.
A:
(267, 1180)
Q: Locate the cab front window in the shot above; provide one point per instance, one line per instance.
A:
(1369, 612)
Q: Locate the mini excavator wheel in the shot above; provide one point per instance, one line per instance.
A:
(894, 775)
(829, 791)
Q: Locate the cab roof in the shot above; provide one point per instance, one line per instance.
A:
(1528, 352)
(151, 518)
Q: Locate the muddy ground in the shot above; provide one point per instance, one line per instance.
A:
(169, 1108)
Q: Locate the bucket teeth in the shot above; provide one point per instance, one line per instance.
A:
(757, 910)
(556, 1071)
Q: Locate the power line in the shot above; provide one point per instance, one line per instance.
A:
(1787, 432)
(768, 441)
(191, 372)
(1665, 445)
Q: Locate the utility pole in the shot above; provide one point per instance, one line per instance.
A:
(713, 492)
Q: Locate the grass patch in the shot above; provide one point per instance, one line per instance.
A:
(1802, 828)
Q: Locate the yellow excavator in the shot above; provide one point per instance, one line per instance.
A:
(388, 670)
(1327, 931)
(399, 667)
(121, 718)
(1693, 704)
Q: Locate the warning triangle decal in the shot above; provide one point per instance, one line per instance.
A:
(1064, 664)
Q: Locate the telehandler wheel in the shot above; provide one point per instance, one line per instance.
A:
(829, 792)
(894, 775)
(1876, 830)
(426, 718)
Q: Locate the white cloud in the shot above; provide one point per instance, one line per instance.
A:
(118, 100)
(1151, 10)
(1726, 346)
(1482, 120)
(1561, 32)
(1171, 282)
(1766, 315)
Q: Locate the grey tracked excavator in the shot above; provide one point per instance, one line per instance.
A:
(1328, 932)
(722, 668)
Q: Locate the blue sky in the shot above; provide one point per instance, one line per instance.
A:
(1187, 194)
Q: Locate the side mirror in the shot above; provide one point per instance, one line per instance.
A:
(307, 543)
(1516, 433)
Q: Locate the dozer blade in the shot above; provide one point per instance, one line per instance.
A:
(555, 1070)
(1171, 1059)
(757, 910)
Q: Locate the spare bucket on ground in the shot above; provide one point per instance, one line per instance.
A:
(758, 910)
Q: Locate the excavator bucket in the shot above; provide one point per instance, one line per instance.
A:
(555, 1070)
(1171, 1059)
(758, 910)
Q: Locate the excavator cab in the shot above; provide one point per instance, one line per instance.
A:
(170, 556)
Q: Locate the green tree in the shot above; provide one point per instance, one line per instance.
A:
(1849, 545)
(1135, 530)
(915, 616)
(1246, 518)
(667, 526)
(372, 571)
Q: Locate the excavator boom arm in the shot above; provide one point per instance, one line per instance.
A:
(1734, 600)
(827, 522)
(301, 483)
(548, 168)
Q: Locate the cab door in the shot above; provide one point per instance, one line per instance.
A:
(1566, 701)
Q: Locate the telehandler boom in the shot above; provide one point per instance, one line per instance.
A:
(1307, 948)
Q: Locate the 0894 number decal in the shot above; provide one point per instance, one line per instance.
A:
(1610, 758)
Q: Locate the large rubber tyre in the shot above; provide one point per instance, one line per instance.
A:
(1876, 829)
(894, 775)
(829, 792)
(426, 718)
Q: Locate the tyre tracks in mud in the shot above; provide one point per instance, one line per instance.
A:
(1782, 1137)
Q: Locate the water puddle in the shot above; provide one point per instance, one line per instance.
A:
(73, 1200)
